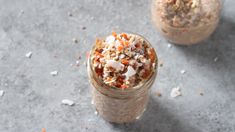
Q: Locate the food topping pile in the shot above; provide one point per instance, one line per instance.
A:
(123, 60)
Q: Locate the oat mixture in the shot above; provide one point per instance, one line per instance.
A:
(123, 60)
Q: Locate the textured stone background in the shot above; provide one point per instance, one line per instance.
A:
(33, 97)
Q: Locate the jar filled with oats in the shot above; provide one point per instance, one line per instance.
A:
(186, 22)
(121, 68)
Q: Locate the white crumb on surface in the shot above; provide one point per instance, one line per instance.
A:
(182, 71)
(92, 101)
(77, 62)
(1, 93)
(169, 45)
(215, 59)
(96, 113)
(29, 54)
(54, 73)
(67, 102)
(175, 92)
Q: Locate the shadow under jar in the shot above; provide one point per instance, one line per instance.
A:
(186, 22)
(120, 104)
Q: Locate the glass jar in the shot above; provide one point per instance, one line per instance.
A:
(116, 104)
(186, 22)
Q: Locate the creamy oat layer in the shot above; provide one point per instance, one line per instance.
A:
(123, 60)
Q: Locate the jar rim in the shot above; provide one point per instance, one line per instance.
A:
(138, 86)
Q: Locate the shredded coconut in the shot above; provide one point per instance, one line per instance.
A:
(29, 54)
(1, 93)
(54, 73)
(130, 72)
(175, 92)
(110, 39)
(182, 71)
(68, 102)
(115, 64)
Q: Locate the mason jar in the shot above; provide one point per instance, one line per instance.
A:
(186, 22)
(120, 105)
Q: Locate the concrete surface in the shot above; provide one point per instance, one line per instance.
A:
(32, 98)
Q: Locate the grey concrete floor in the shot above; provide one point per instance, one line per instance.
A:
(32, 98)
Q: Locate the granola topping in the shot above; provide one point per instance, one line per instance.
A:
(123, 60)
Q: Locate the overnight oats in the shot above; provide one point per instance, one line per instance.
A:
(186, 22)
(122, 67)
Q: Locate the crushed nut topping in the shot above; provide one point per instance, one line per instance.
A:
(123, 60)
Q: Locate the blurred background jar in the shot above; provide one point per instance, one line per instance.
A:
(186, 22)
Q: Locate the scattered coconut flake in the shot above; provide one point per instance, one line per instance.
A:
(77, 63)
(96, 113)
(130, 72)
(182, 71)
(175, 92)
(169, 45)
(1, 93)
(122, 56)
(54, 73)
(29, 54)
(68, 102)
(115, 64)
(92, 101)
(110, 39)
(215, 59)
